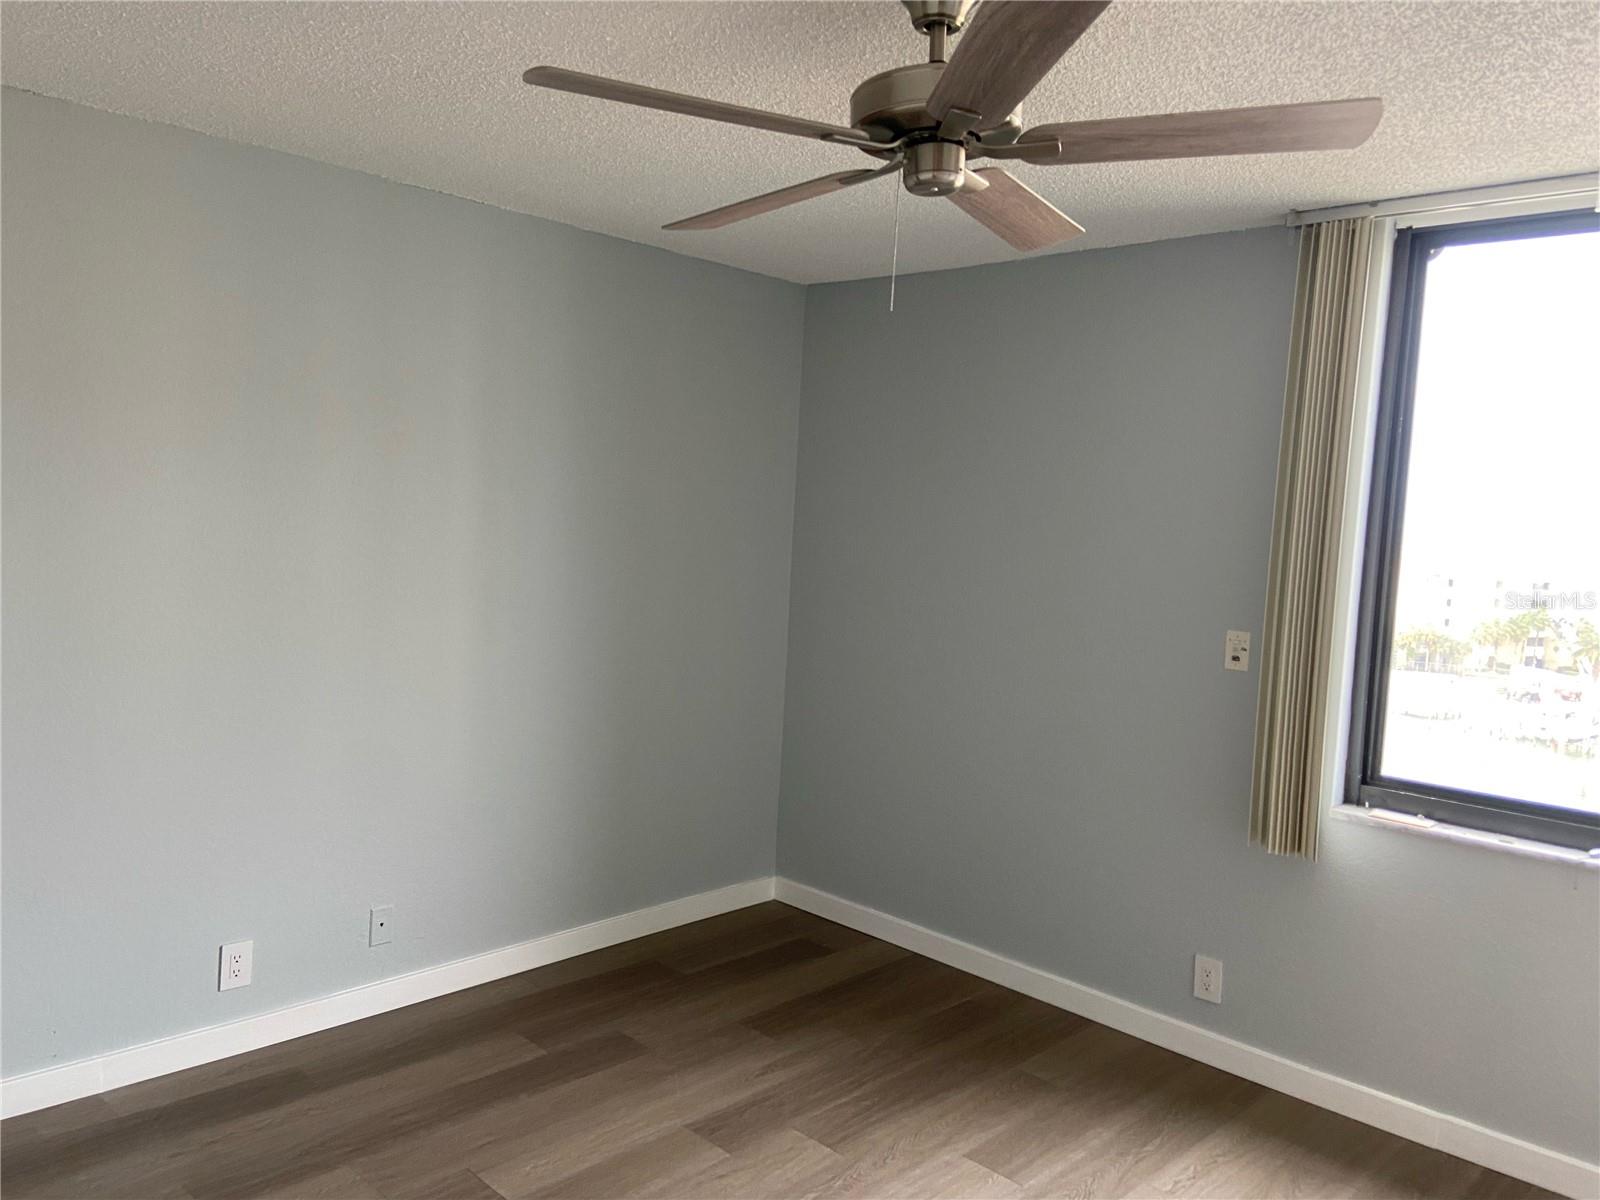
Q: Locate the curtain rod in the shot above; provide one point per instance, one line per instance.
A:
(1533, 191)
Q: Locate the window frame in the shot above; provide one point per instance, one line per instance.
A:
(1365, 785)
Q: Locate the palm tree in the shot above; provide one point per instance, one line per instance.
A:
(1521, 627)
(1439, 650)
(1497, 633)
(1586, 644)
(1490, 634)
(1411, 643)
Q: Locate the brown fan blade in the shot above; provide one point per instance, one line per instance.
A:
(756, 205)
(563, 80)
(1015, 211)
(1272, 129)
(1006, 50)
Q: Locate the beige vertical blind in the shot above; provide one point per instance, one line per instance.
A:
(1297, 636)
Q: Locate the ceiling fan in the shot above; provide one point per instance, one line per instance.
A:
(927, 121)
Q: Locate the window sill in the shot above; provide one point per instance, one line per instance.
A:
(1423, 827)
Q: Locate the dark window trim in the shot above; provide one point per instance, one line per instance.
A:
(1364, 784)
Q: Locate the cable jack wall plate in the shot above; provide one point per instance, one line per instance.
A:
(380, 924)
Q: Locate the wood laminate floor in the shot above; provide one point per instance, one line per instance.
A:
(763, 1053)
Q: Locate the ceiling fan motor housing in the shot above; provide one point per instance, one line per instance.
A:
(894, 104)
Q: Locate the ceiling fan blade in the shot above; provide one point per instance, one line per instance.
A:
(599, 86)
(783, 197)
(1272, 129)
(1006, 50)
(1015, 211)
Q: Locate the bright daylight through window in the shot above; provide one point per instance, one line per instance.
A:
(1481, 614)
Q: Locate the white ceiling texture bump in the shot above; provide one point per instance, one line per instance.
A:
(430, 94)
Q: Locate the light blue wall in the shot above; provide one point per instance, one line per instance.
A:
(1018, 543)
(362, 545)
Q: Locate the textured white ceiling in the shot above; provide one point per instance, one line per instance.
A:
(430, 94)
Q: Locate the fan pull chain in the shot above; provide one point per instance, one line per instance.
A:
(894, 257)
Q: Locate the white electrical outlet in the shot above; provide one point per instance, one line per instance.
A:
(1207, 979)
(378, 925)
(233, 971)
(1236, 650)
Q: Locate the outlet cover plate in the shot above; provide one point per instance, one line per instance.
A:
(1208, 979)
(234, 965)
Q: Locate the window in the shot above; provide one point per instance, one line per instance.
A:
(1477, 697)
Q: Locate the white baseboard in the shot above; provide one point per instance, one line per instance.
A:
(1547, 1168)
(90, 1076)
